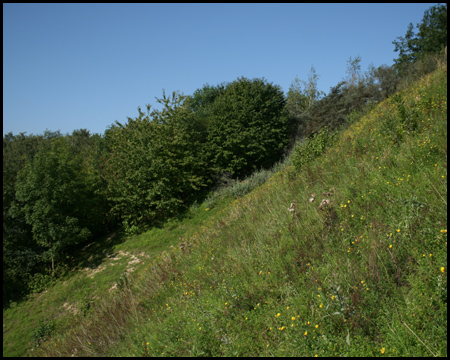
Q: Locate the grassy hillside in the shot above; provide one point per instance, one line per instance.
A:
(346, 257)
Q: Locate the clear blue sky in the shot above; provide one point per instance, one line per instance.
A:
(83, 66)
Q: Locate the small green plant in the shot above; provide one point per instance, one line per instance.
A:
(311, 148)
(123, 281)
(131, 228)
(42, 332)
(86, 305)
(39, 282)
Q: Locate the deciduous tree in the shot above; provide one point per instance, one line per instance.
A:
(248, 128)
(155, 164)
(54, 197)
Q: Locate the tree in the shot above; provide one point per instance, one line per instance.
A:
(386, 78)
(433, 30)
(351, 94)
(406, 46)
(303, 99)
(21, 255)
(248, 128)
(201, 101)
(155, 165)
(360, 87)
(54, 197)
(353, 71)
(300, 97)
(431, 37)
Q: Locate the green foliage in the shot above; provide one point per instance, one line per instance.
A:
(248, 127)
(431, 38)
(23, 256)
(353, 71)
(39, 282)
(55, 198)
(42, 332)
(363, 274)
(299, 102)
(413, 71)
(159, 162)
(433, 30)
(386, 78)
(234, 188)
(311, 148)
(406, 120)
(155, 164)
(202, 100)
(355, 93)
(299, 99)
(360, 274)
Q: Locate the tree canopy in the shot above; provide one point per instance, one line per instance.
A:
(155, 163)
(56, 199)
(431, 36)
(248, 128)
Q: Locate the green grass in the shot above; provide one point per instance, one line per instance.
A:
(94, 271)
(271, 273)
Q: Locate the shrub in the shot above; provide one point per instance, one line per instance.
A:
(311, 148)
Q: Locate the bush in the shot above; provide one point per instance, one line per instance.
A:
(311, 148)
(39, 282)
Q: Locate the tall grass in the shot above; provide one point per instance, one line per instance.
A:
(343, 257)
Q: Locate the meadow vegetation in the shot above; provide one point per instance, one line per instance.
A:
(239, 221)
(360, 270)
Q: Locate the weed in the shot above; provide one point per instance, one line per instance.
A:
(42, 332)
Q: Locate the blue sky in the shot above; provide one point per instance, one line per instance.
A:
(83, 66)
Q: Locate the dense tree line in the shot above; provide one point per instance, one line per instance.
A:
(418, 55)
(50, 203)
(62, 191)
(430, 39)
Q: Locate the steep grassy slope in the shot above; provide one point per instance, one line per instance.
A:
(98, 270)
(359, 271)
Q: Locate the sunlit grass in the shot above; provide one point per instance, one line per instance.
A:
(358, 271)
